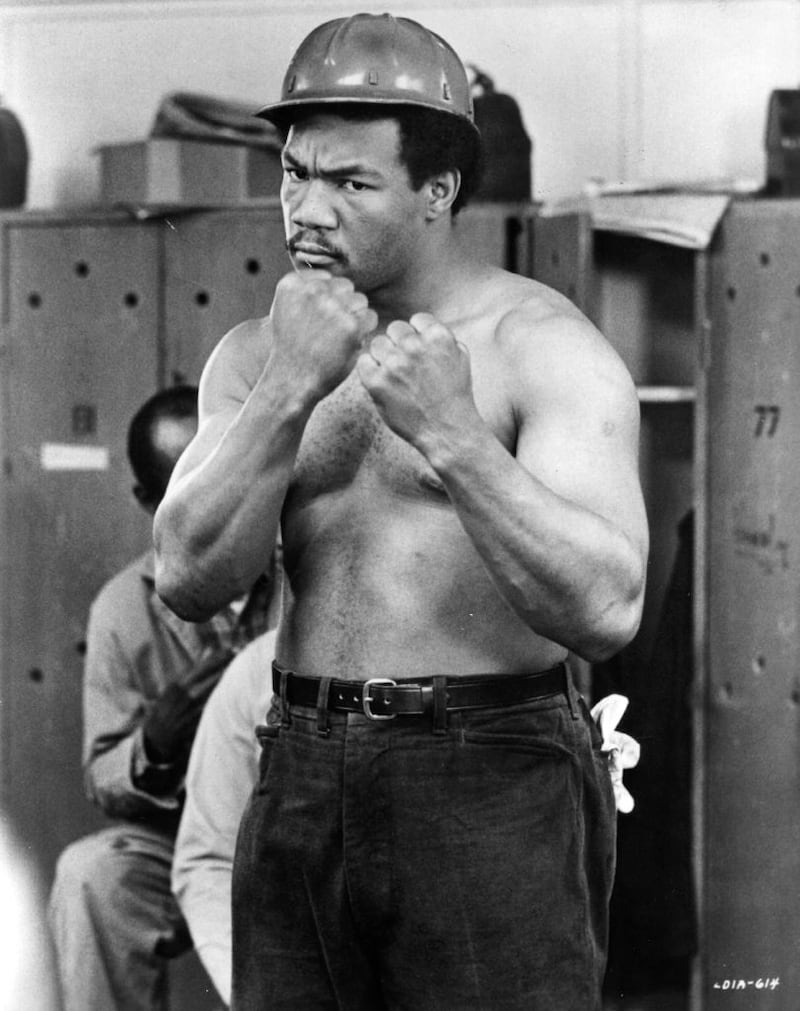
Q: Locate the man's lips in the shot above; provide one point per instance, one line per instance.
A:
(312, 250)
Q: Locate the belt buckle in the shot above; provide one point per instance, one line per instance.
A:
(366, 699)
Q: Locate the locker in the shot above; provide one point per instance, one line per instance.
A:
(644, 297)
(562, 257)
(752, 858)
(220, 267)
(502, 232)
(711, 338)
(79, 353)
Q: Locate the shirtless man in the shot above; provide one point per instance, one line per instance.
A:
(451, 453)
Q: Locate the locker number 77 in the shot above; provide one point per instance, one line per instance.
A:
(767, 417)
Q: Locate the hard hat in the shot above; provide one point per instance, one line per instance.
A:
(374, 59)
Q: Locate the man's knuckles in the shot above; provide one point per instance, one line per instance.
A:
(426, 328)
(379, 345)
(427, 323)
(296, 282)
(368, 321)
(399, 330)
(358, 302)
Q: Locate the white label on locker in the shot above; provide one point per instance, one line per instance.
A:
(65, 456)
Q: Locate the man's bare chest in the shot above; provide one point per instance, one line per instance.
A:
(346, 442)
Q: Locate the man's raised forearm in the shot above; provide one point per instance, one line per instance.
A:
(216, 528)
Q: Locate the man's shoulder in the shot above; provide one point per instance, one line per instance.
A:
(518, 318)
(531, 312)
(126, 590)
(134, 577)
(490, 294)
(550, 344)
(527, 301)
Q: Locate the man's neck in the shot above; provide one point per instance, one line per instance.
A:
(434, 283)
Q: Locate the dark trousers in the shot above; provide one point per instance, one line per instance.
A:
(383, 866)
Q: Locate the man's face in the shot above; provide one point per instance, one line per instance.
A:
(348, 205)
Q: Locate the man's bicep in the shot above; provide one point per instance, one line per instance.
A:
(227, 380)
(582, 443)
(233, 368)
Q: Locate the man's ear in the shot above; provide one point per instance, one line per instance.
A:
(442, 190)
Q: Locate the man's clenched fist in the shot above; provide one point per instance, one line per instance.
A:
(419, 377)
(318, 324)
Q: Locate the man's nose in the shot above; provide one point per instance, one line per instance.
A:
(312, 206)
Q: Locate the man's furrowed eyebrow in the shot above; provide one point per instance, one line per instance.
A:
(346, 171)
(288, 159)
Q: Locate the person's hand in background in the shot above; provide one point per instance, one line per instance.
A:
(170, 725)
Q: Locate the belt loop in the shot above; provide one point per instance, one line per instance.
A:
(439, 704)
(323, 713)
(571, 692)
(284, 697)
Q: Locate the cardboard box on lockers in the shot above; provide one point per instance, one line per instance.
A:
(163, 170)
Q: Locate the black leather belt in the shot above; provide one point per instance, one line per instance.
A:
(384, 698)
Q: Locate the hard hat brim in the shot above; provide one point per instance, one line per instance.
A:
(280, 113)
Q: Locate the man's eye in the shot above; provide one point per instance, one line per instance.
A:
(354, 185)
(295, 174)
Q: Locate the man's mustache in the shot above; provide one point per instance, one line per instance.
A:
(313, 242)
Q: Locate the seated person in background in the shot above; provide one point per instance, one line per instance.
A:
(223, 770)
(147, 677)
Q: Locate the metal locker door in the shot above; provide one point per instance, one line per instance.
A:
(221, 267)
(751, 922)
(562, 256)
(500, 234)
(80, 355)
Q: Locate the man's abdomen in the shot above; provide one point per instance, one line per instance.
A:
(394, 588)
